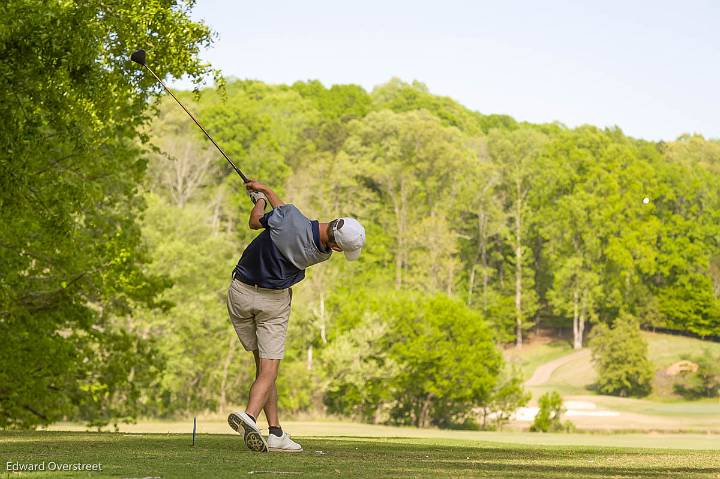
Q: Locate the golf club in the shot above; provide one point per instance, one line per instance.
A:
(139, 58)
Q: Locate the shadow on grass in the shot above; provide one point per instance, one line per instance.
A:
(141, 455)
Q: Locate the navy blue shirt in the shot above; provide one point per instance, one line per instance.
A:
(263, 264)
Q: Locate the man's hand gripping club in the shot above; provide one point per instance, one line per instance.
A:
(261, 195)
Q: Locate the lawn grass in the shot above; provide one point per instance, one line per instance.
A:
(705, 409)
(532, 355)
(220, 456)
(576, 376)
(661, 410)
(665, 349)
(344, 429)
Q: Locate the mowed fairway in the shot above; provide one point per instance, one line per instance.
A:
(218, 456)
(550, 365)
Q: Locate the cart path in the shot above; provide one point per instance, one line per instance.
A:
(543, 372)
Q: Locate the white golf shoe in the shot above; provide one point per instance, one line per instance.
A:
(243, 424)
(283, 443)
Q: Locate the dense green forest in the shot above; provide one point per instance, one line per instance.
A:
(121, 226)
(517, 225)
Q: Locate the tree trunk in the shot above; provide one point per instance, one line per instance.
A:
(450, 279)
(471, 283)
(518, 275)
(403, 231)
(485, 268)
(577, 329)
(398, 268)
(310, 357)
(578, 342)
(482, 257)
(398, 206)
(422, 420)
(217, 211)
(323, 335)
(230, 223)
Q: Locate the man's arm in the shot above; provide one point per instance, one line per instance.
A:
(256, 213)
(275, 201)
(259, 209)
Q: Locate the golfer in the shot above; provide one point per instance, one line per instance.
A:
(259, 298)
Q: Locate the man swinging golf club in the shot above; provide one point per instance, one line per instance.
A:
(259, 298)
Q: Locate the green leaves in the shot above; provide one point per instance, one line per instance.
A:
(429, 360)
(71, 167)
(620, 357)
(410, 164)
(549, 416)
(455, 204)
(524, 223)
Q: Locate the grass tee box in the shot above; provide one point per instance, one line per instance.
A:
(220, 456)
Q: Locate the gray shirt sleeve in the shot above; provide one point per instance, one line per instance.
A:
(291, 232)
(277, 215)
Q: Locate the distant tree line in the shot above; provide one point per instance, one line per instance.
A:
(523, 225)
(119, 235)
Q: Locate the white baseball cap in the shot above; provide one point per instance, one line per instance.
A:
(350, 237)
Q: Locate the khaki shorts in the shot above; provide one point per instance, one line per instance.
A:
(260, 317)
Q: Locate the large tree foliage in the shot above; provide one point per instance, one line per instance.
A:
(411, 360)
(411, 164)
(703, 383)
(687, 203)
(620, 357)
(517, 153)
(527, 225)
(549, 416)
(454, 203)
(70, 167)
(599, 235)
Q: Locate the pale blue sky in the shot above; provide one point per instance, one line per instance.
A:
(650, 67)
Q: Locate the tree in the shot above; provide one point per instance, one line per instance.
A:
(449, 363)
(261, 127)
(359, 370)
(483, 219)
(401, 97)
(599, 239)
(620, 357)
(184, 165)
(518, 152)
(508, 395)
(703, 383)
(341, 103)
(687, 283)
(203, 358)
(410, 162)
(70, 168)
(408, 359)
(549, 416)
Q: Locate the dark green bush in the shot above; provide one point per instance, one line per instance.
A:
(705, 382)
(620, 357)
(549, 417)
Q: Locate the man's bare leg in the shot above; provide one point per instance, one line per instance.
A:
(270, 408)
(263, 396)
(263, 387)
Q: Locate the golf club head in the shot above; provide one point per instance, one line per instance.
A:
(138, 57)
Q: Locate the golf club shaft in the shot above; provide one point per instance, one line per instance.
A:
(244, 178)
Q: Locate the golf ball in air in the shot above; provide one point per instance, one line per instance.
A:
(646, 200)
